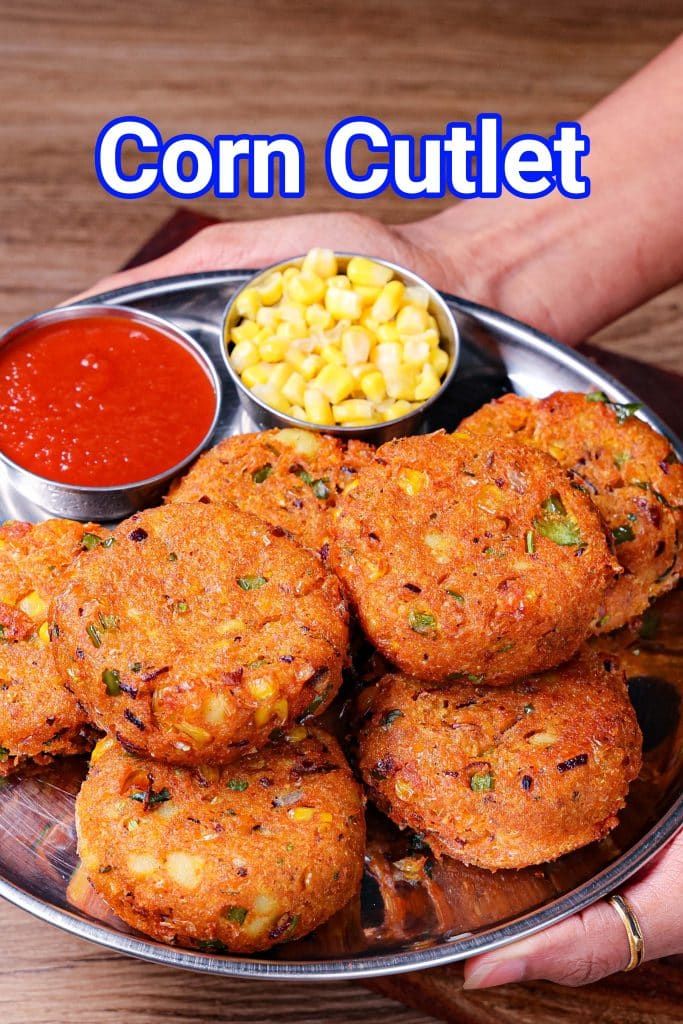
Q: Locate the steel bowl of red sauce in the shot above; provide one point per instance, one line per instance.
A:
(100, 407)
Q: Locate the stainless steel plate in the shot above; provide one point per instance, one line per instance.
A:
(412, 911)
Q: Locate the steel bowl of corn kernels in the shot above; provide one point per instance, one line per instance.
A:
(354, 346)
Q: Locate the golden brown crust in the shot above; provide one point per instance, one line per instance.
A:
(629, 471)
(290, 478)
(198, 631)
(235, 859)
(509, 777)
(39, 718)
(469, 560)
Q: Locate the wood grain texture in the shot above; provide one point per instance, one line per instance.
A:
(47, 977)
(215, 67)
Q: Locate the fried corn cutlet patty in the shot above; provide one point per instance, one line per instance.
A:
(199, 631)
(234, 859)
(509, 777)
(290, 478)
(627, 468)
(470, 560)
(39, 718)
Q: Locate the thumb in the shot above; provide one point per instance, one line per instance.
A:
(593, 943)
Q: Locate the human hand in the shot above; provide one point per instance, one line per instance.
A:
(593, 944)
(255, 244)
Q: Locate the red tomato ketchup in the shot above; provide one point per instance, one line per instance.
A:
(101, 401)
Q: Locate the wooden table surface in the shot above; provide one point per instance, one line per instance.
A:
(210, 67)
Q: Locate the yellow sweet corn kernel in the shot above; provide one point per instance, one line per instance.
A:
(366, 272)
(335, 382)
(412, 320)
(293, 313)
(246, 331)
(440, 546)
(44, 634)
(101, 748)
(416, 295)
(215, 709)
(289, 272)
(209, 772)
(200, 737)
(387, 305)
(388, 332)
(273, 350)
(257, 374)
(318, 316)
(281, 709)
(374, 571)
(431, 336)
(355, 344)
(262, 715)
(322, 262)
(339, 281)
(428, 384)
(268, 317)
(439, 360)
(272, 397)
(34, 606)
(401, 381)
(279, 375)
(343, 305)
(306, 287)
(310, 366)
(325, 817)
(293, 389)
(296, 734)
(412, 481)
(298, 412)
(333, 355)
(248, 303)
(416, 351)
(261, 689)
(369, 323)
(287, 332)
(243, 355)
(301, 813)
(490, 498)
(373, 386)
(360, 370)
(367, 294)
(270, 289)
(403, 790)
(387, 355)
(351, 410)
(295, 356)
(318, 409)
(395, 411)
(305, 442)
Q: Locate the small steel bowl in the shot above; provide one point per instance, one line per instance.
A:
(105, 503)
(265, 416)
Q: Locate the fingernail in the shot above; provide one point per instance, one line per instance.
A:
(505, 972)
